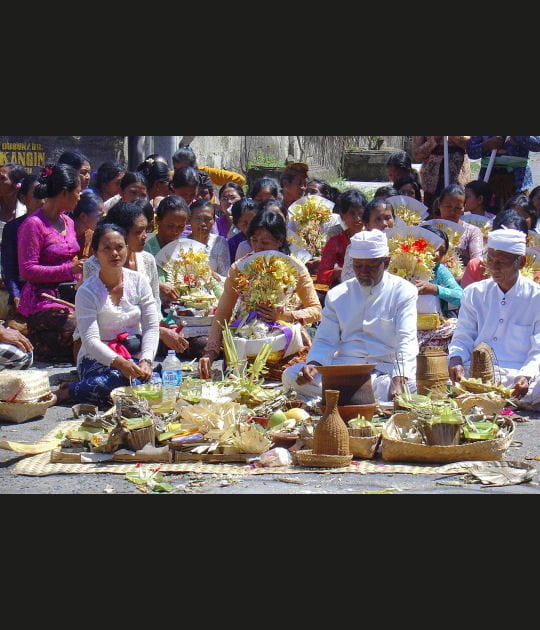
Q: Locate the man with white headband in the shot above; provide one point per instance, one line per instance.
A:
(504, 313)
(370, 318)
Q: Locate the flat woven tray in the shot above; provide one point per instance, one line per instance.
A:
(360, 447)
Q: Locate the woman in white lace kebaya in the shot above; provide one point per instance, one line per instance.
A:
(117, 321)
(131, 217)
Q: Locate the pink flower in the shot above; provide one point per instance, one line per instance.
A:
(507, 412)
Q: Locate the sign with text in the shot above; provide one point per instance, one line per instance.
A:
(34, 152)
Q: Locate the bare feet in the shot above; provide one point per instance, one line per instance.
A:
(62, 393)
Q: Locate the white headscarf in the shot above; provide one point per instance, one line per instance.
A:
(507, 240)
(369, 244)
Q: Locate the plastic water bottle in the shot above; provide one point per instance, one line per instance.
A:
(156, 380)
(171, 376)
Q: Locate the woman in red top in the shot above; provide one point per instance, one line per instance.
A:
(351, 206)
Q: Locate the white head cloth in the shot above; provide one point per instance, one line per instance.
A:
(369, 244)
(507, 240)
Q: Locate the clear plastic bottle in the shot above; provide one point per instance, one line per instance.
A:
(171, 376)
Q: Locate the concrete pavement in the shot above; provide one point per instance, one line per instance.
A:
(524, 449)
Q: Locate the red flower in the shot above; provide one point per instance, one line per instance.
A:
(421, 245)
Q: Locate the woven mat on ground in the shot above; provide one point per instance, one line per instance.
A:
(41, 466)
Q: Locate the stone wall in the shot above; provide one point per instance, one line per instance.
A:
(323, 156)
(323, 153)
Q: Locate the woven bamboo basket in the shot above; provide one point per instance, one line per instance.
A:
(331, 435)
(330, 439)
(442, 434)
(483, 363)
(22, 411)
(364, 447)
(432, 373)
(394, 449)
(28, 386)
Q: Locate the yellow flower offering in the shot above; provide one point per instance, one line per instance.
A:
(411, 258)
(191, 275)
(267, 280)
(408, 216)
(310, 216)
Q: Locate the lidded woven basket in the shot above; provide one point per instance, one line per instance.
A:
(432, 373)
(483, 363)
(24, 386)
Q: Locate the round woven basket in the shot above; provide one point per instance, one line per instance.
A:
(364, 447)
(309, 459)
(22, 411)
(395, 449)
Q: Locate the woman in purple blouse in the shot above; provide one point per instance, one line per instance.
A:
(229, 194)
(48, 255)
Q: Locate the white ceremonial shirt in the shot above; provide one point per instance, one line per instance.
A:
(370, 325)
(508, 322)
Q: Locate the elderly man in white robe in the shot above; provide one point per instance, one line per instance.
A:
(504, 313)
(371, 318)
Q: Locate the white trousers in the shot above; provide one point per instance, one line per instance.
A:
(312, 391)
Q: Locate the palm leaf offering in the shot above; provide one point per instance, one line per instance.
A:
(477, 386)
